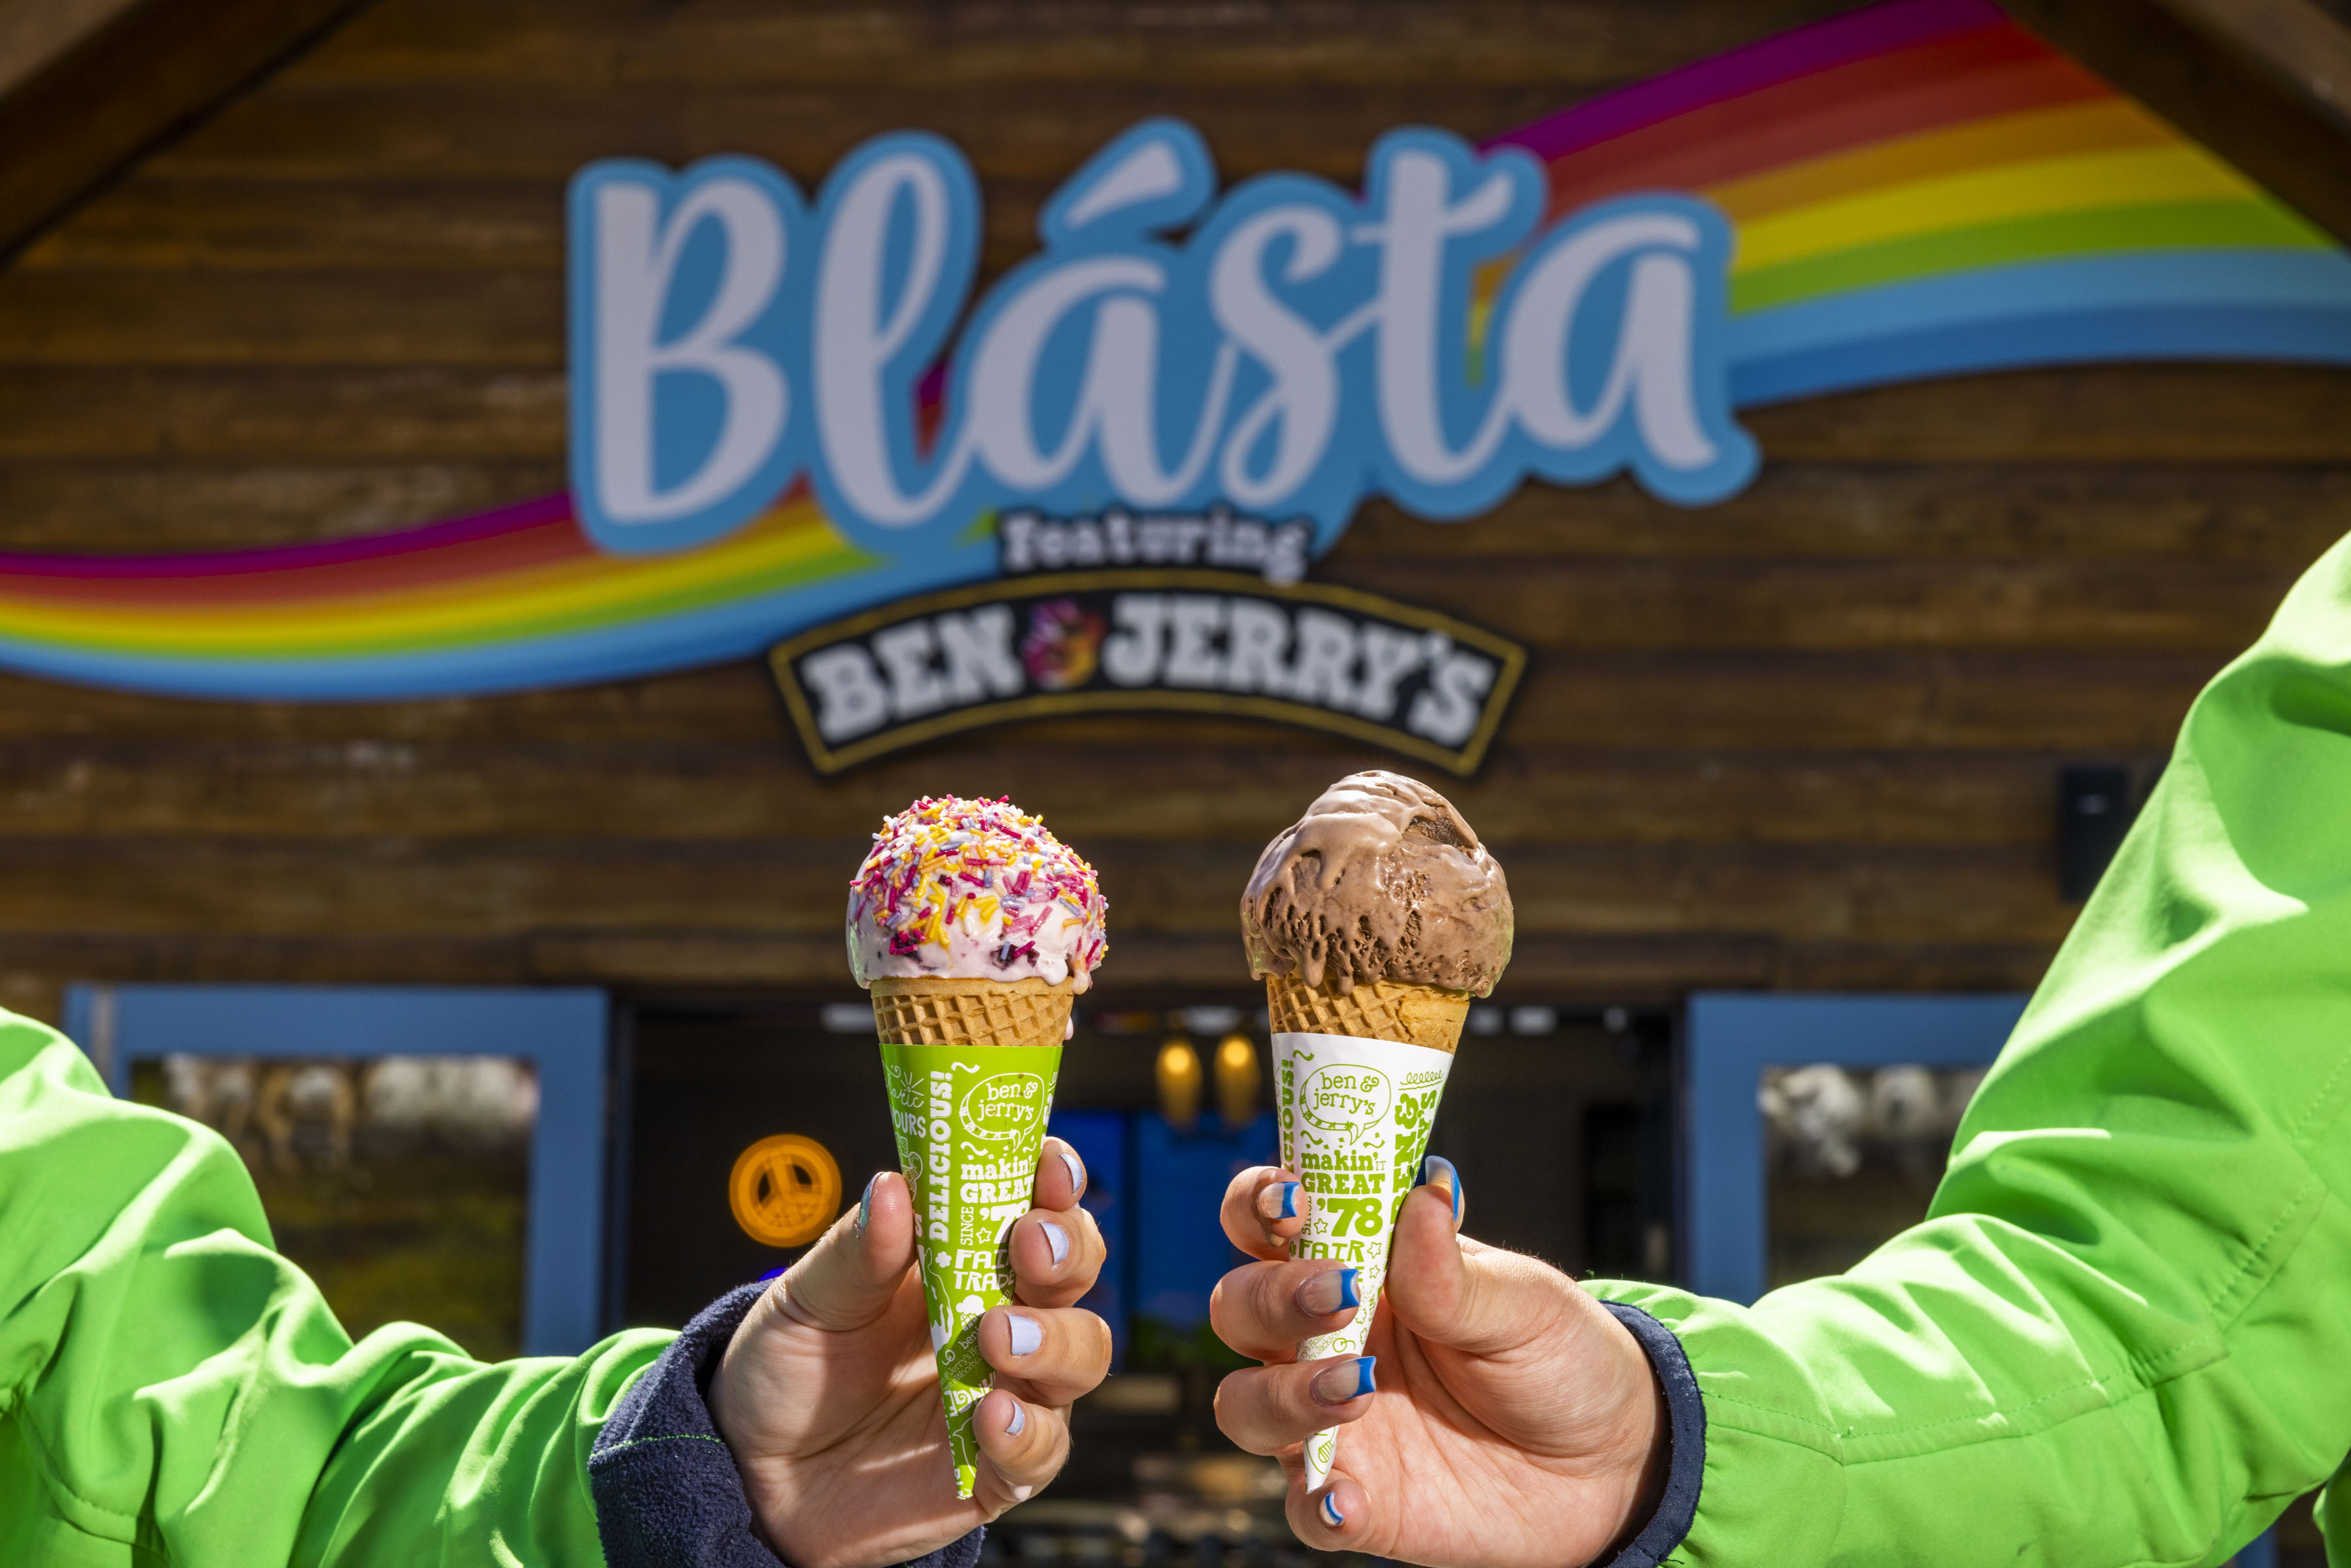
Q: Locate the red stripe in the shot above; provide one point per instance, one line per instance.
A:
(467, 564)
(546, 512)
(1973, 76)
(462, 551)
(1881, 29)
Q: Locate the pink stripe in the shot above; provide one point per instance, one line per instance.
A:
(522, 515)
(1876, 30)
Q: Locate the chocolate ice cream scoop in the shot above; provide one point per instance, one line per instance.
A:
(1380, 879)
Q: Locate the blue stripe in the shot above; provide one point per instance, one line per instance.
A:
(2242, 303)
(2213, 332)
(2310, 279)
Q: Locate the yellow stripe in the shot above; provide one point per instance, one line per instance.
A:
(2176, 174)
(438, 614)
(2072, 130)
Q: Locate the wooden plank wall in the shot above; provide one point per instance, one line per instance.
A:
(1808, 738)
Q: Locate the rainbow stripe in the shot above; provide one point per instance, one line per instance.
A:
(507, 600)
(1923, 188)
(1919, 189)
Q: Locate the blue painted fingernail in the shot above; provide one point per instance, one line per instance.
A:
(1018, 1422)
(1289, 1200)
(1331, 1291)
(1025, 1333)
(1436, 1166)
(865, 1202)
(1330, 1514)
(1058, 1240)
(1077, 1171)
(1344, 1380)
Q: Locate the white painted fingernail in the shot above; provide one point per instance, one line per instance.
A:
(1018, 1421)
(1058, 1240)
(1022, 1494)
(1026, 1333)
(1077, 1171)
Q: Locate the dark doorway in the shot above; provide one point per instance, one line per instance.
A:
(705, 1083)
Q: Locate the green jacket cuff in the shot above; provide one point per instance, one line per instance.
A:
(1771, 1484)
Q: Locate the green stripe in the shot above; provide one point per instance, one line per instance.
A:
(683, 602)
(680, 602)
(2240, 221)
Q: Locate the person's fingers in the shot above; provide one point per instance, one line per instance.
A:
(1262, 1309)
(1267, 1408)
(849, 1277)
(1265, 1209)
(1057, 1249)
(1056, 1354)
(1061, 1175)
(1335, 1519)
(1056, 1254)
(1026, 1443)
(1462, 1294)
(1437, 1171)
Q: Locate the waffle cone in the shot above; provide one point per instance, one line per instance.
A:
(948, 1010)
(1430, 1016)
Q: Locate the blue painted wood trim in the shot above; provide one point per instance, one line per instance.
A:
(1731, 1037)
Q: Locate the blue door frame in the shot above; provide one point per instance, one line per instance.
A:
(563, 1034)
(1731, 1037)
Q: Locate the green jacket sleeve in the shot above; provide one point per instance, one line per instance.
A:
(172, 1390)
(2122, 1335)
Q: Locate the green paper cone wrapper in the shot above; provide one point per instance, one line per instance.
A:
(1355, 1116)
(970, 1121)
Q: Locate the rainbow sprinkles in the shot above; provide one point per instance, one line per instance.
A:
(1917, 189)
(976, 889)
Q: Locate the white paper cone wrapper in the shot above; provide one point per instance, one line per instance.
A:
(1355, 1116)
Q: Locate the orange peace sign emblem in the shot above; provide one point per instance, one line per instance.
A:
(785, 1190)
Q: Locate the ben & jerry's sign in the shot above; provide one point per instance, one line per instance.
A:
(1037, 646)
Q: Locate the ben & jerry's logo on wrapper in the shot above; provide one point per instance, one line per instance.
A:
(1005, 1107)
(1344, 1099)
(1411, 680)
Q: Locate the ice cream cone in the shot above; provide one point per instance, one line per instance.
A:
(1428, 1016)
(974, 930)
(1374, 920)
(933, 1009)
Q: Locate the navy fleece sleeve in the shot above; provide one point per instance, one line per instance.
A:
(1687, 1413)
(666, 1489)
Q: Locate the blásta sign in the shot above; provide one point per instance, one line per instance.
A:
(1298, 349)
